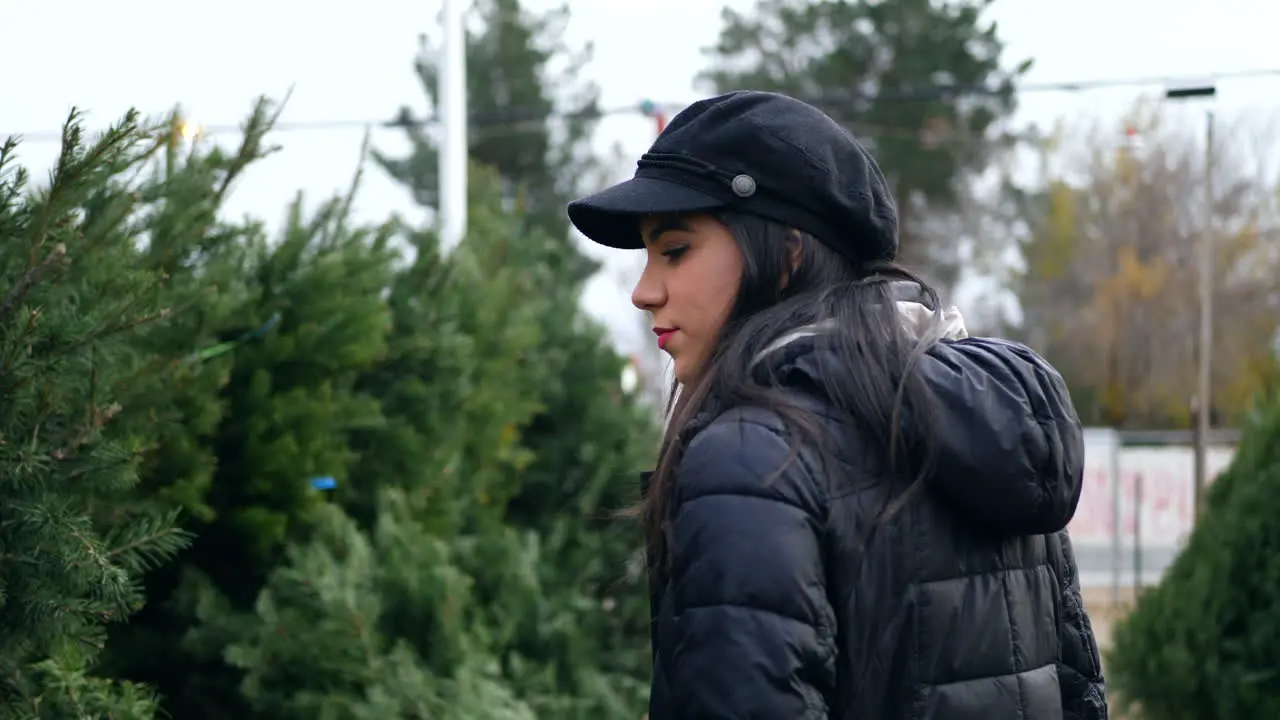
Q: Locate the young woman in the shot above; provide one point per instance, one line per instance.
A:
(858, 512)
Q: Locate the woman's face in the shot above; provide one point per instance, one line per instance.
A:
(689, 284)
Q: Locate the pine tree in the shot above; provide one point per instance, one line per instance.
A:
(369, 625)
(306, 319)
(1205, 643)
(452, 590)
(587, 440)
(72, 548)
(461, 401)
(208, 263)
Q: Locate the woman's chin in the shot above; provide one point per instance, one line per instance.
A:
(683, 374)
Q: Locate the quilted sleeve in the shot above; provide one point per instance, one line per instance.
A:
(754, 632)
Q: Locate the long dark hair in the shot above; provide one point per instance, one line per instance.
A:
(871, 380)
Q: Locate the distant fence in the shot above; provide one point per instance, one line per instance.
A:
(1137, 506)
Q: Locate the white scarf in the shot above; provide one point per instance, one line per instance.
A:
(917, 319)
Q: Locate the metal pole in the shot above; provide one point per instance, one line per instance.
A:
(1204, 398)
(453, 121)
(1137, 536)
(1117, 525)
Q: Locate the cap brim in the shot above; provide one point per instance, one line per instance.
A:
(610, 216)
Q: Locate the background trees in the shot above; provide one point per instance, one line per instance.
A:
(923, 84)
(1108, 291)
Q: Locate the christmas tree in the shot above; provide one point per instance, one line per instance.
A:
(440, 440)
(283, 329)
(1205, 643)
(447, 591)
(73, 546)
(585, 651)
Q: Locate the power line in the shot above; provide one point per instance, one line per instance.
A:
(519, 119)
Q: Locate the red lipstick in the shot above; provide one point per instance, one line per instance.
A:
(664, 334)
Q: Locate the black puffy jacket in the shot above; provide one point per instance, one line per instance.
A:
(965, 605)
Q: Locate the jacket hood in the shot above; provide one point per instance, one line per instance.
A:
(1010, 450)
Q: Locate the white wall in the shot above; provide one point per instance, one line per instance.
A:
(1161, 516)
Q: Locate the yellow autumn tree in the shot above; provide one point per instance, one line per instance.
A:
(1108, 290)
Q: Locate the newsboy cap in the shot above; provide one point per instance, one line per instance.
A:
(757, 153)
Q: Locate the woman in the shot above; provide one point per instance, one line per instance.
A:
(857, 513)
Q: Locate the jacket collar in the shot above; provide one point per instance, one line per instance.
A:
(917, 319)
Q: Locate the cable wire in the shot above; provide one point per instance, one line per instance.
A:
(516, 119)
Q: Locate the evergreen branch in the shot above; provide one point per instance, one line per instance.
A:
(71, 143)
(109, 332)
(11, 191)
(28, 280)
(142, 546)
(81, 472)
(74, 163)
(344, 212)
(160, 360)
(96, 420)
(90, 548)
(75, 699)
(112, 142)
(257, 126)
(158, 545)
(158, 142)
(101, 233)
(14, 350)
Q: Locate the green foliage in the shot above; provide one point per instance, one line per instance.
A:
(467, 565)
(1205, 643)
(472, 418)
(477, 574)
(206, 262)
(328, 639)
(295, 323)
(72, 547)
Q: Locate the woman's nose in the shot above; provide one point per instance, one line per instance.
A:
(648, 294)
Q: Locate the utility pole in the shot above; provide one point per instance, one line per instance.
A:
(1204, 376)
(452, 111)
(1204, 383)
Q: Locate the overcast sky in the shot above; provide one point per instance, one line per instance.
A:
(352, 61)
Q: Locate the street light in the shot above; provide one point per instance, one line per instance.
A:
(1204, 366)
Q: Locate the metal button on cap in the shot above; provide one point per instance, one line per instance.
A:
(744, 186)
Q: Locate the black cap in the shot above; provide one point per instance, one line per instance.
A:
(757, 153)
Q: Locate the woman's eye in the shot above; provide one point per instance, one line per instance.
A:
(675, 252)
